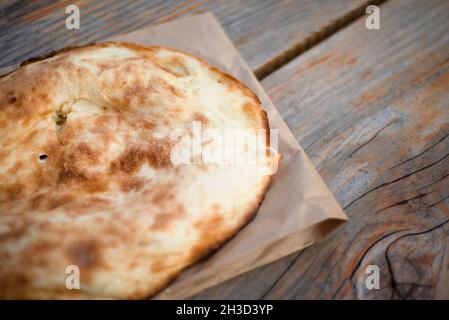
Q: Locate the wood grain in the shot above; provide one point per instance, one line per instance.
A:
(371, 109)
(266, 32)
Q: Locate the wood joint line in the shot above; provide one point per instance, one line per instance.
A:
(314, 39)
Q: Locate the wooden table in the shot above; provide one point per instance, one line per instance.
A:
(370, 107)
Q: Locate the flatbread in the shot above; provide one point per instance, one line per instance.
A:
(87, 177)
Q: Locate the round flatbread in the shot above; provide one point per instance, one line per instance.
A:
(87, 177)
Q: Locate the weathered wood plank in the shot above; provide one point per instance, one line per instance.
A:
(371, 109)
(265, 31)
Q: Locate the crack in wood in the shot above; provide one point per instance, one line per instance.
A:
(395, 180)
(359, 263)
(314, 39)
(438, 202)
(367, 142)
(405, 201)
(421, 153)
(433, 183)
(393, 282)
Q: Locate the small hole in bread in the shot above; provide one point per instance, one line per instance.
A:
(42, 158)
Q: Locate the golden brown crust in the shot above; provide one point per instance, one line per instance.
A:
(85, 160)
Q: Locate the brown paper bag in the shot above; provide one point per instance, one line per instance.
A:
(298, 209)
